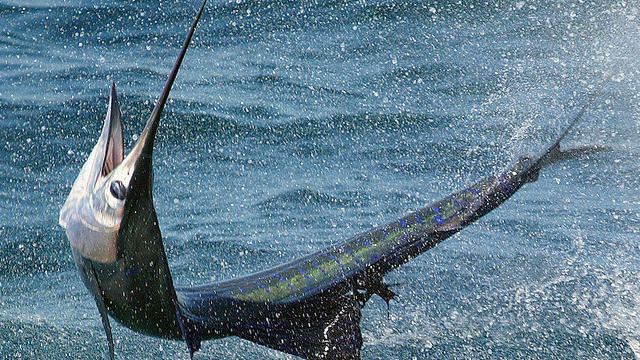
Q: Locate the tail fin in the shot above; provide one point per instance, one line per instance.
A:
(578, 152)
(554, 149)
(553, 152)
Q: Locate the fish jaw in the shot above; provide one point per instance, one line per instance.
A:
(91, 215)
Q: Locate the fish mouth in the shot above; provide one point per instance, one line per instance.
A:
(103, 163)
(117, 170)
(113, 132)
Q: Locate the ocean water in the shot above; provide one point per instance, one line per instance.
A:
(294, 125)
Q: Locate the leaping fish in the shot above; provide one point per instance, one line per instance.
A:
(309, 307)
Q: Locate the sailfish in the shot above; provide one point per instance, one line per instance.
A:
(309, 307)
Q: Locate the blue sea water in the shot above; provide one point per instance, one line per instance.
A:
(294, 125)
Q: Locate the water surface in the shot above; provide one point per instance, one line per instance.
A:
(294, 125)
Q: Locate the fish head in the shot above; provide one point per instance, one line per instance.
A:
(112, 226)
(109, 190)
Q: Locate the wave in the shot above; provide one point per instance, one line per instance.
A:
(303, 197)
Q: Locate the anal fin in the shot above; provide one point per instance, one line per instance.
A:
(381, 289)
(365, 287)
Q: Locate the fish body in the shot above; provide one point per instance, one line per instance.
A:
(309, 307)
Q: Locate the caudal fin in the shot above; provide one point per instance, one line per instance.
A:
(552, 151)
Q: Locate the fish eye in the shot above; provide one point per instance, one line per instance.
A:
(118, 190)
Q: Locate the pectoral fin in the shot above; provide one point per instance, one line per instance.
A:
(91, 282)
